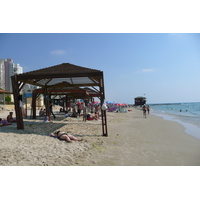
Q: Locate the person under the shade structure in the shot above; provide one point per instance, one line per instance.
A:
(51, 110)
(10, 118)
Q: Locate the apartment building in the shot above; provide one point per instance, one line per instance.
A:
(2, 74)
(8, 69)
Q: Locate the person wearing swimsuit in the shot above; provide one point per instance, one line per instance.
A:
(65, 136)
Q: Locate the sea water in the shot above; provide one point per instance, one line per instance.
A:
(186, 114)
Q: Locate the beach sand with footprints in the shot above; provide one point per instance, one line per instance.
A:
(132, 141)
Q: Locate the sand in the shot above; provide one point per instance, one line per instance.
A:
(136, 141)
(132, 141)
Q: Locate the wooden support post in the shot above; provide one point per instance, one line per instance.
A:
(34, 104)
(103, 112)
(46, 97)
(84, 114)
(26, 109)
(84, 109)
(66, 103)
(18, 110)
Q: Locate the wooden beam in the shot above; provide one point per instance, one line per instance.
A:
(34, 96)
(18, 110)
(59, 75)
(103, 112)
(46, 103)
(22, 85)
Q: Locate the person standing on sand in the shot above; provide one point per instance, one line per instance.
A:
(79, 108)
(51, 110)
(148, 109)
(144, 111)
(97, 110)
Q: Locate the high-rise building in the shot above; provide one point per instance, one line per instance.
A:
(14, 69)
(2, 74)
(8, 69)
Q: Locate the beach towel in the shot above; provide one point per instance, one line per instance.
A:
(5, 125)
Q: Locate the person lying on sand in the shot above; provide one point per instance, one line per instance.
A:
(3, 122)
(10, 117)
(65, 136)
(89, 117)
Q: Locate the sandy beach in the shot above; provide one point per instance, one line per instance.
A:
(132, 141)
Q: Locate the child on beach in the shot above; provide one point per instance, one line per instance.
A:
(46, 119)
(41, 113)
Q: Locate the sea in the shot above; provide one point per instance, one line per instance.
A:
(186, 114)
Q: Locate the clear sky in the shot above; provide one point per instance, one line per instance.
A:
(164, 67)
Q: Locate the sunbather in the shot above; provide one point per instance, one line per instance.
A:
(65, 136)
(10, 117)
(3, 122)
(89, 117)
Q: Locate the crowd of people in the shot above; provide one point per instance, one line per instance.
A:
(91, 112)
(75, 110)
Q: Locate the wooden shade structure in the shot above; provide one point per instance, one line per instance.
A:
(65, 78)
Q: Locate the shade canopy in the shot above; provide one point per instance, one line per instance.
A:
(65, 72)
(64, 78)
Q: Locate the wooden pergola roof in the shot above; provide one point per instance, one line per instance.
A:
(63, 78)
(61, 88)
(65, 72)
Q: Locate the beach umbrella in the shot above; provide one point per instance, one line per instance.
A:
(109, 102)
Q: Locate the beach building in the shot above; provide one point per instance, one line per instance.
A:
(2, 95)
(27, 96)
(140, 101)
(2, 74)
(8, 69)
(13, 69)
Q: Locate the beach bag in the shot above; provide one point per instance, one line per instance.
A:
(104, 106)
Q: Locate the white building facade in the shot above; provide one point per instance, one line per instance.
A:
(2, 74)
(8, 69)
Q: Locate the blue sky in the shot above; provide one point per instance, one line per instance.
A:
(164, 67)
